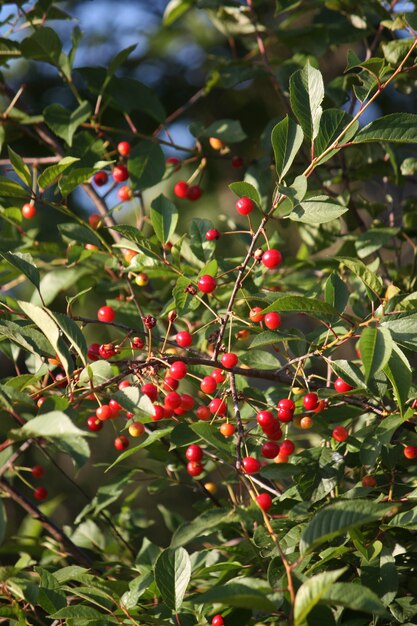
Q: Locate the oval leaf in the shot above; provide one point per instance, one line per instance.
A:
(172, 575)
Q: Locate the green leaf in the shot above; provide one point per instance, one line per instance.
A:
(26, 337)
(355, 597)
(3, 522)
(175, 9)
(51, 174)
(81, 613)
(338, 518)
(154, 436)
(398, 371)
(229, 131)
(349, 372)
(120, 58)
(311, 592)
(301, 304)
(164, 218)
(395, 51)
(316, 212)
(20, 167)
(306, 96)
(335, 292)
(403, 329)
(375, 347)
(52, 425)
(358, 268)
(70, 329)
(59, 280)
(199, 245)
(98, 372)
(80, 175)
(237, 594)
(43, 45)
(393, 128)
(172, 575)
(332, 123)
(24, 263)
(128, 95)
(287, 138)
(63, 122)
(11, 189)
(146, 164)
(201, 526)
(206, 432)
(246, 189)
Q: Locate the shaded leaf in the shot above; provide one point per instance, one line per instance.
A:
(287, 138)
(172, 575)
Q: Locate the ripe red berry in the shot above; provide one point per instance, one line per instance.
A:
(229, 360)
(100, 178)
(170, 384)
(120, 173)
(123, 384)
(341, 434)
(173, 161)
(341, 386)
(218, 407)
(194, 468)
(265, 419)
(187, 402)
(94, 220)
(115, 407)
(137, 343)
(270, 449)
(410, 452)
(255, 314)
(272, 258)
(237, 162)
(125, 193)
(104, 412)
(272, 320)
(181, 189)
(208, 384)
(106, 314)
(194, 193)
(207, 283)
(107, 350)
(150, 390)
(37, 471)
(40, 493)
(251, 465)
(178, 370)
(227, 430)
(284, 415)
(212, 234)
(274, 433)
(286, 403)
(217, 620)
(123, 148)
(287, 447)
(184, 339)
(93, 352)
(94, 424)
(368, 481)
(172, 400)
(158, 413)
(310, 401)
(244, 205)
(264, 501)
(203, 413)
(194, 453)
(28, 211)
(121, 443)
(218, 375)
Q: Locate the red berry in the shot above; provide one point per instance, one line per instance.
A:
(187, 402)
(28, 211)
(37, 471)
(107, 350)
(123, 384)
(125, 193)
(340, 386)
(272, 320)
(123, 148)
(206, 283)
(244, 205)
(218, 375)
(194, 193)
(120, 173)
(100, 178)
(150, 390)
(208, 384)
(194, 453)
(237, 162)
(341, 434)
(284, 415)
(158, 412)
(172, 400)
(272, 258)
(286, 403)
(217, 620)
(270, 449)
(61, 379)
(203, 413)
(264, 501)
(106, 314)
(93, 352)
(218, 407)
(287, 447)
(265, 419)
(181, 189)
(173, 161)
(115, 407)
(255, 314)
(149, 321)
(368, 481)
(137, 343)
(94, 220)
(104, 412)
(121, 443)
(310, 401)
(40, 493)
(251, 465)
(212, 234)
(184, 339)
(194, 468)
(274, 433)
(410, 452)
(178, 370)
(229, 360)
(94, 424)
(227, 430)
(170, 384)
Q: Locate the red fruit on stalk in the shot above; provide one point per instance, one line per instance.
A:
(340, 433)
(212, 234)
(341, 386)
(158, 413)
(38, 471)
(100, 178)
(94, 220)
(286, 403)
(150, 390)
(287, 447)
(194, 468)
(178, 370)
(194, 193)
(217, 620)
(181, 189)
(28, 211)
(184, 339)
(265, 419)
(203, 413)
(310, 401)
(218, 407)
(125, 193)
(120, 173)
(227, 430)
(137, 343)
(237, 162)
(115, 407)
(194, 453)
(251, 465)
(121, 443)
(410, 452)
(170, 384)
(208, 384)
(218, 375)
(272, 258)
(272, 320)
(229, 360)
(207, 283)
(244, 206)
(106, 314)
(255, 314)
(123, 384)
(172, 400)
(284, 415)
(264, 501)
(104, 412)
(93, 351)
(270, 449)
(40, 493)
(94, 424)
(123, 148)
